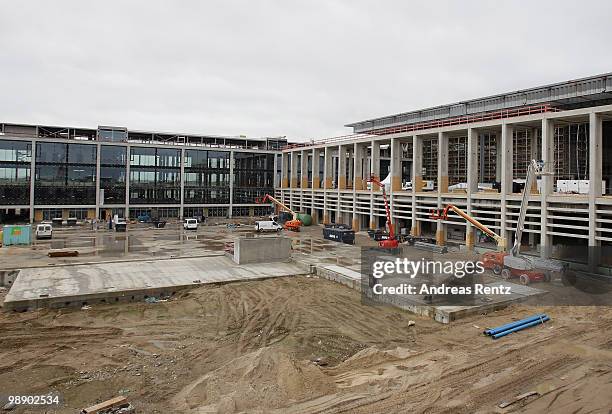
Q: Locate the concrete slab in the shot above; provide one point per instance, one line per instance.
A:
(443, 314)
(103, 282)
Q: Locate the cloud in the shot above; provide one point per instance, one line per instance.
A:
(267, 68)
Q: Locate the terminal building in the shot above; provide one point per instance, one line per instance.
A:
(51, 172)
(473, 154)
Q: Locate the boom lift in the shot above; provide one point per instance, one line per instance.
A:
(391, 242)
(436, 215)
(511, 263)
(294, 224)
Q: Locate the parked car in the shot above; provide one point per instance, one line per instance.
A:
(120, 224)
(268, 225)
(44, 231)
(190, 224)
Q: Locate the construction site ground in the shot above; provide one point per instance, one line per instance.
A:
(295, 344)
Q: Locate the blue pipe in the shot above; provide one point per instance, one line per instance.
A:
(521, 327)
(510, 325)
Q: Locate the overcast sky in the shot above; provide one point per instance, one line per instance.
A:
(269, 68)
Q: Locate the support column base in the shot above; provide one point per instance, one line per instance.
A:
(325, 219)
(440, 238)
(415, 231)
(355, 224)
(469, 240)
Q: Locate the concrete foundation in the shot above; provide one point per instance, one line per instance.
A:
(261, 249)
(92, 284)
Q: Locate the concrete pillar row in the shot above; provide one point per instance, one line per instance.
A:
(472, 182)
(417, 181)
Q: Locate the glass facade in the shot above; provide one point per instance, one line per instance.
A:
(65, 178)
(253, 176)
(207, 177)
(113, 162)
(65, 174)
(155, 176)
(15, 162)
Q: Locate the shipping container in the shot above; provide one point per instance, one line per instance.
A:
(18, 234)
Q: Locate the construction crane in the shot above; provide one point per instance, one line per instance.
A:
(391, 242)
(294, 224)
(436, 215)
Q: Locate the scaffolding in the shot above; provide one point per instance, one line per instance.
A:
(571, 152)
(430, 159)
(487, 157)
(522, 152)
(457, 160)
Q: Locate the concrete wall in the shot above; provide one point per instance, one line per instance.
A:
(262, 249)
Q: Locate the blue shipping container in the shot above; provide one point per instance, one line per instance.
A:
(16, 235)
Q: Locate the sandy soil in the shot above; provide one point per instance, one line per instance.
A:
(249, 347)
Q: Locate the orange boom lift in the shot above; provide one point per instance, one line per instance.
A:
(294, 224)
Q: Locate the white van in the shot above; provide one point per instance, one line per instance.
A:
(190, 224)
(44, 231)
(268, 225)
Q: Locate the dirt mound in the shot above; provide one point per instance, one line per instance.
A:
(263, 379)
(373, 356)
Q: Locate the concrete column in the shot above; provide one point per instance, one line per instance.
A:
(358, 177)
(442, 163)
(32, 179)
(498, 158)
(350, 167)
(472, 182)
(127, 182)
(396, 165)
(595, 174)
(375, 173)
(548, 133)
(275, 179)
(442, 184)
(507, 177)
(327, 181)
(285, 170)
(417, 181)
(328, 166)
(341, 167)
(231, 189)
(98, 151)
(293, 178)
(304, 169)
(316, 168)
(182, 209)
(358, 181)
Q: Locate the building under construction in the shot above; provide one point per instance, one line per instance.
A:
(473, 154)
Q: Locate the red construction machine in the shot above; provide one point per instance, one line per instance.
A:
(294, 224)
(391, 242)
